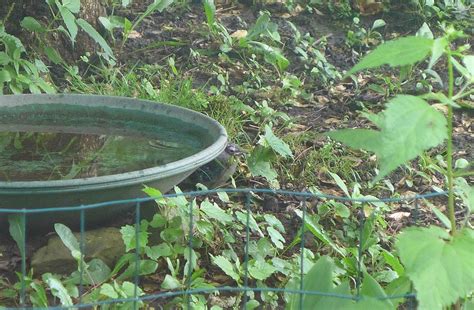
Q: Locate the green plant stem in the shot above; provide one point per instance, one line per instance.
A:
(450, 174)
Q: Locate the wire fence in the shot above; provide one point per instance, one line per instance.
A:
(245, 195)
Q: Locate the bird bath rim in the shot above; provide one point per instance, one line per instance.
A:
(123, 179)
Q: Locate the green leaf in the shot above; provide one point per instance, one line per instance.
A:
(69, 240)
(277, 144)
(97, 272)
(126, 3)
(319, 232)
(57, 289)
(170, 283)
(4, 59)
(210, 11)
(440, 266)
(276, 237)
(400, 52)
(70, 21)
(439, 46)
(145, 266)
(108, 290)
(17, 231)
(129, 236)
(468, 61)
(226, 266)
(53, 55)
(157, 251)
(340, 183)
(441, 217)
(213, 211)
(466, 192)
(409, 126)
(259, 163)
(96, 37)
(73, 5)
(261, 270)
(370, 288)
(31, 24)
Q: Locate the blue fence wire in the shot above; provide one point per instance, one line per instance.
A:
(188, 291)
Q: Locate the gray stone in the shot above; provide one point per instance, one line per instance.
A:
(104, 243)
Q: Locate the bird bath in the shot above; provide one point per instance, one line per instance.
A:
(70, 150)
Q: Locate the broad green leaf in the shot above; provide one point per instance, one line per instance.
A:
(69, 240)
(273, 221)
(96, 36)
(39, 299)
(170, 283)
(242, 217)
(439, 46)
(97, 272)
(125, 3)
(157, 251)
(31, 24)
(226, 266)
(129, 236)
(319, 232)
(357, 138)
(17, 231)
(277, 144)
(213, 211)
(70, 21)
(4, 59)
(463, 70)
(400, 52)
(469, 63)
(108, 290)
(145, 266)
(409, 126)
(378, 23)
(57, 289)
(277, 239)
(370, 288)
(261, 270)
(440, 266)
(73, 5)
(259, 163)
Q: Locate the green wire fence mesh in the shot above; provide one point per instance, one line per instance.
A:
(245, 195)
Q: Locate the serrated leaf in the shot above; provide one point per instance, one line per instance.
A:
(261, 270)
(57, 289)
(400, 52)
(129, 237)
(277, 144)
(226, 266)
(440, 266)
(213, 211)
(259, 163)
(409, 127)
(157, 251)
(31, 24)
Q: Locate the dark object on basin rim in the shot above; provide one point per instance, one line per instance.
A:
(89, 112)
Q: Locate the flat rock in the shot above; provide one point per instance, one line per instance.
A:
(104, 243)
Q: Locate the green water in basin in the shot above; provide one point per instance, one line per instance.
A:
(44, 142)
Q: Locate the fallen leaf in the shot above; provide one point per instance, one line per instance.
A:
(239, 34)
(134, 34)
(397, 216)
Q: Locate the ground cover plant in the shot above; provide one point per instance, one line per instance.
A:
(289, 87)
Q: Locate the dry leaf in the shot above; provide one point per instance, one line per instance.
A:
(134, 34)
(239, 34)
(397, 216)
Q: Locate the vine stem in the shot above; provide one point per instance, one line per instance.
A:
(449, 151)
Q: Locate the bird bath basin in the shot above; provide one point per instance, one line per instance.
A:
(70, 150)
